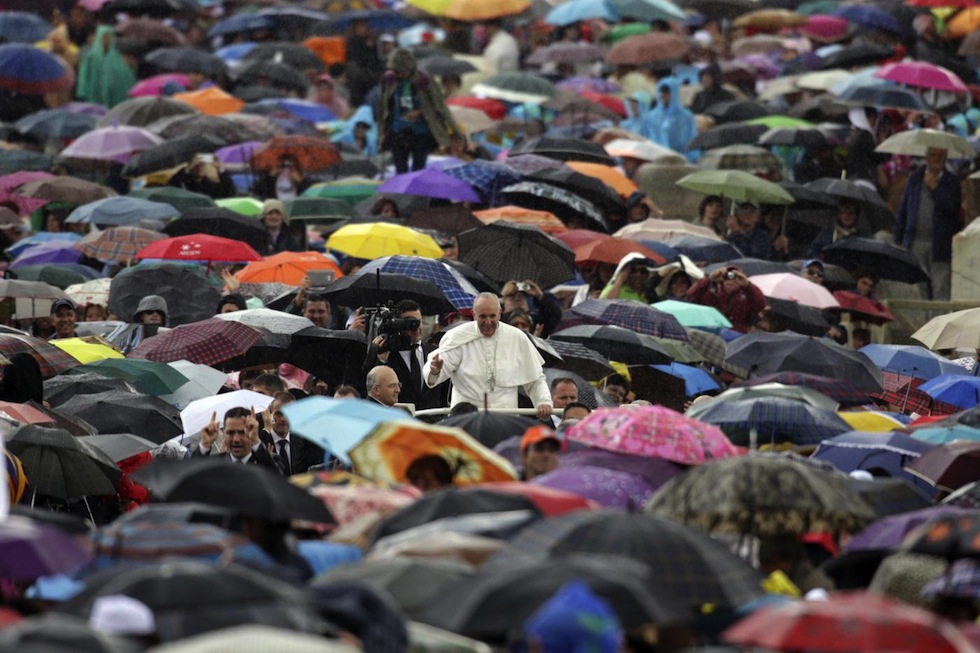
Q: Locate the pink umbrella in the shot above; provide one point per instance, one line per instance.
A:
(15, 179)
(785, 285)
(153, 86)
(922, 75)
(116, 143)
(25, 205)
(825, 28)
(654, 432)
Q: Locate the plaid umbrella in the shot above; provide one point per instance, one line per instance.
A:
(53, 361)
(580, 359)
(840, 390)
(62, 466)
(627, 314)
(688, 564)
(762, 495)
(505, 251)
(488, 177)
(117, 245)
(740, 157)
(774, 419)
(453, 284)
(207, 342)
(712, 350)
(903, 392)
(616, 343)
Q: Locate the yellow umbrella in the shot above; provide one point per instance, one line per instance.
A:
(387, 452)
(372, 240)
(470, 9)
(86, 352)
(871, 421)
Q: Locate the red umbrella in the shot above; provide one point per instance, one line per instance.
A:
(614, 104)
(863, 308)
(550, 502)
(612, 250)
(857, 623)
(207, 342)
(311, 153)
(575, 238)
(199, 247)
(495, 109)
(23, 413)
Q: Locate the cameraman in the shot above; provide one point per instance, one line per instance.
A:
(414, 390)
(731, 292)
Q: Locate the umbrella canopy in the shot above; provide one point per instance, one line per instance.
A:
(28, 70)
(505, 251)
(889, 261)
(452, 283)
(171, 154)
(516, 87)
(117, 245)
(737, 185)
(387, 452)
(55, 123)
(114, 211)
(146, 376)
(220, 222)
(116, 143)
(189, 295)
(52, 361)
(60, 465)
(180, 199)
(265, 318)
(616, 343)
(792, 287)
(647, 48)
(487, 177)
(762, 495)
(727, 134)
(378, 288)
(956, 389)
(208, 342)
(863, 308)
(911, 360)
(311, 153)
(211, 101)
(839, 390)
(563, 149)
(70, 190)
(140, 112)
(489, 428)
(199, 247)
(117, 411)
(955, 330)
(566, 204)
(470, 10)
(31, 549)
(772, 419)
(948, 466)
(922, 74)
(859, 450)
(627, 314)
(373, 240)
(430, 183)
(917, 141)
(86, 352)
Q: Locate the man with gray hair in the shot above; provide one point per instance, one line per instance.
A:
(488, 361)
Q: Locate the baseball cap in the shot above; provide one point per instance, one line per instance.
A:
(59, 304)
(536, 434)
(811, 261)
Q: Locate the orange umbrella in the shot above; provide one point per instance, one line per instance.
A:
(963, 23)
(311, 153)
(212, 101)
(544, 220)
(330, 49)
(607, 175)
(286, 267)
(612, 250)
(387, 452)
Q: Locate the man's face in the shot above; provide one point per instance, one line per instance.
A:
(273, 219)
(386, 387)
(563, 394)
(615, 392)
(280, 424)
(935, 159)
(64, 322)
(416, 333)
(487, 315)
(847, 216)
(866, 286)
(236, 437)
(748, 218)
(541, 457)
(318, 313)
(814, 273)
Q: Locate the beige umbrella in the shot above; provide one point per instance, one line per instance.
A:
(472, 121)
(958, 330)
(822, 80)
(663, 230)
(915, 142)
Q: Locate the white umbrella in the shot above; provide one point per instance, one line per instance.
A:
(266, 318)
(915, 142)
(198, 413)
(788, 286)
(203, 381)
(95, 291)
(643, 150)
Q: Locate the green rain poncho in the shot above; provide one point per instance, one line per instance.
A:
(103, 76)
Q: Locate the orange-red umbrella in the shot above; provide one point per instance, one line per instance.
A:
(963, 23)
(607, 175)
(211, 101)
(311, 153)
(199, 247)
(612, 250)
(544, 220)
(286, 267)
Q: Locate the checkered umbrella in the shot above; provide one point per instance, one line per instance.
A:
(487, 177)
(616, 343)
(53, 361)
(627, 314)
(774, 419)
(748, 158)
(688, 564)
(117, 245)
(207, 342)
(840, 390)
(453, 284)
(505, 251)
(903, 392)
(580, 359)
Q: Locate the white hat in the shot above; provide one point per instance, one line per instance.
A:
(119, 614)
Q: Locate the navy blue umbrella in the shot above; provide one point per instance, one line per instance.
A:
(23, 27)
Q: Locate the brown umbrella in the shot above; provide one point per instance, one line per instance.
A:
(770, 19)
(65, 189)
(310, 152)
(151, 31)
(451, 219)
(647, 48)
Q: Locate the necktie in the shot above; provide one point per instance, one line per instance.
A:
(284, 454)
(415, 368)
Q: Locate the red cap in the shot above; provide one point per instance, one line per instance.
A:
(536, 434)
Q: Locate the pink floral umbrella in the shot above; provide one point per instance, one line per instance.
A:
(922, 75)
(654, 432)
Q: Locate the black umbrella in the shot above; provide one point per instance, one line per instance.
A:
(872, 206)
(586, 187)
(185, 59)
(142, 111)
(71, 423)
(271, 350)
(119, 446)
(588, 394)
(564, 149)
(580, 359)
(505, 251)
(887, 260)
(855, 55)
(890, 496)
(753, 266)
(189, 296)
(184, 512)
(61, 388)
(224, 129)
(253, 93)
(727, 134)
(54, 633)
(737, 111)
(162, 8)
(277, 75)
(258, 493)
(439, 65)
(488, 605)
(122, 412)
(797, 317)
(170, 154)
(768, 353)
(819, 108)
(291, 54)
(810, 207)
(616, 343)
(189, 598)
(565, 204)
(451, 502)
(55, 123)
(354, 165)
(701, 248)
(490, 428)
(370, 290)
(480, 281)
(220, 222)
(62, 466)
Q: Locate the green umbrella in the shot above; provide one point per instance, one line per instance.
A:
(60, 276)
(695, 316)
(351, 190)
(736, 185)
(245, 205)
(817, 7)
(620, 32)
(780, 122)
(180, 199)
(146, 376)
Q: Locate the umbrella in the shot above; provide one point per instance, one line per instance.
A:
(336, 356)
(189, 295)
(486, 177)
(785, 285)
(956, 389)
(884, 97)
(52, 360)
(70, 190)
(373, 240)
(170, 154)
(773, 419)
(117, 411)
(126, 210)
(207, 342)
(859, 450)
(564, 203)
(505, 251)
(787, 314)
(951, 331)
(702, 248)
(563, 149)
(948, 466)
(489, 428)
(387, 452)
(606, 487)
(767, 353)
(569, 13)
(273, 75)
(120, 446)
(580, 360)
(863, 308)
(916, 142)
(430, 183)
(117, 245)
(378, 288)
(199, 247)
(471, 121)
(198, 413)
(625, 313)
(146, 376)
(737, 185)
(310, 153)
(737, 110)
(60, 389)
(727, 134)
(452, 283)
(211, 101)
(889, 261)
(872, 205)
(52, 252)
(55, 123)
(616, 343)
(232, 129)
(747, 158)
(31, 549)
(611, 251)
(60, 276)
(140, 112)
(762, 495)
(115, 143)
(543, 220)
(839, 390)
(220, 222)
(185, 59)
(578, 52)
(180, 199)
(910, 360)
(28, 70)
(922, 75)
(274, 321)
(60, 465)
(873, 623)
(86, 352)
(647, 48)
(286, 268)
(516, 87)
(470, 10)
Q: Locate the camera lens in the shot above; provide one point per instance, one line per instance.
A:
(729, 275)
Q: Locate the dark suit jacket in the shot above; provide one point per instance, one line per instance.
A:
(303, 454)
(259, 457)
(424, 397)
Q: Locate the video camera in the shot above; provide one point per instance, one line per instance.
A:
(383, 321)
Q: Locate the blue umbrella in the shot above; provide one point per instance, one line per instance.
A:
(52, 252)
(303, 109)
(696, 380)
(945, 434)
(379, 20)
(665, 250)
(774, 420)
(870, 17)
(117, 211)
(31, 71)
(700, 248)
(960, 390)
(337, 425)
(40, 238)
(55, 123)
(488, 177)
(910, 360)
(23, 27)
(19, 160)
(648, 11)
(235, 51)
(575, 11)
(454, 285)
(240, 23)
(889, 451)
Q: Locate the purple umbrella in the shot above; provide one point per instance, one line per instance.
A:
(430, 183)
(591, 84)
(29, 550)
(55, 251)
(240, 153)
(88, 108)
(605, 486)
(889, 532)
(116, 143)
(655, 471)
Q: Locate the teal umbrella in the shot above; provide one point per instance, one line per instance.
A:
(146, 376)
(694, 316)
(60, 276)
(180, 199)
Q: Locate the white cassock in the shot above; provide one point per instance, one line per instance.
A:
(490, 369)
